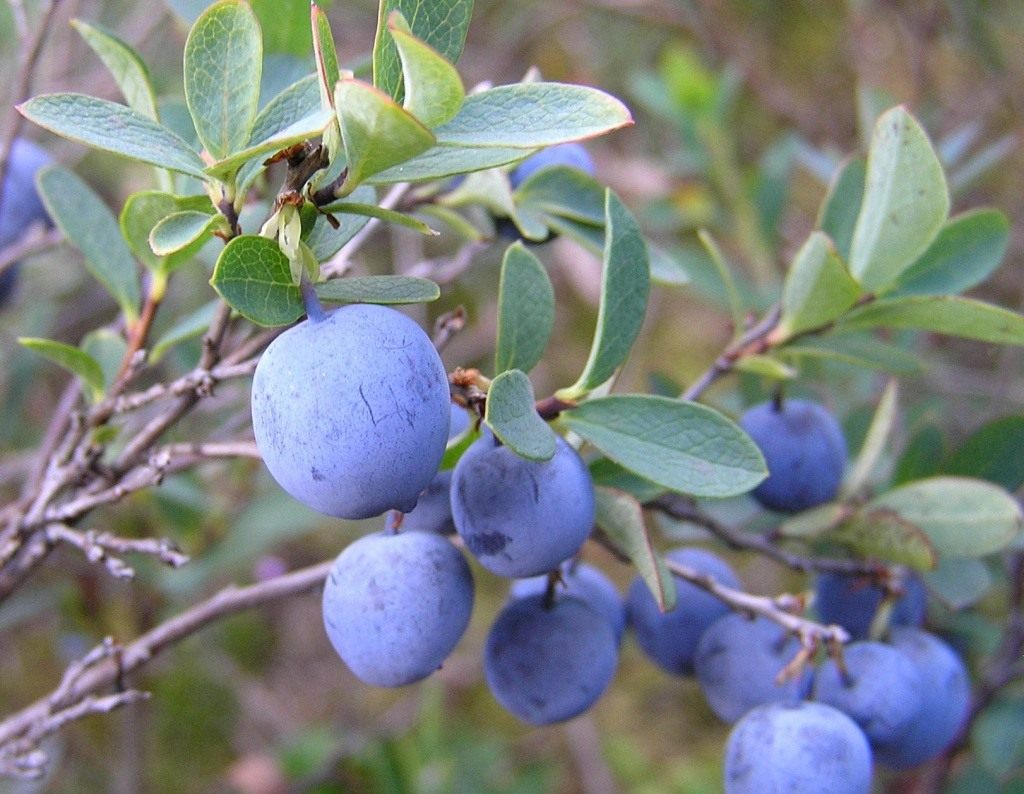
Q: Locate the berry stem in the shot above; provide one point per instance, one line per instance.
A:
(314, 311)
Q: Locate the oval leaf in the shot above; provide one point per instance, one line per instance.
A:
(433, 88)
(818, 288)
(223, 65)
(180, 229)
(885, 534)
(112, 128)
(89, 226)
(567, 192)
(526, 311)
(906, 201)
(620, 517)
(942, 314)
(378, 289)
(993, 453)
(530, 115)
(76, 361)
(144, 210)
(311, 126)
(962, 517)
(439, 162)
(682, 446)
(381, 213)
(839, 210)
(512, 415)
(625, 283)
(959, 582)
(255, 278)
(125, 66)
(325, 55)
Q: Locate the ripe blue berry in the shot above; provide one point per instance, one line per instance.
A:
(586, 583)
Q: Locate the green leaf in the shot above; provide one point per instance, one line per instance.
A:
(531, 115)
(563, 191)
(962, 517)
(298, 101)
(143, 210)
(965, 253)
(108, 348)
(959, 582)
(304, 129)
(375, 211)
(322, 238)
(875, 442)
(188, 327)
(439, 162)
(727, 279)
(378, 133)
(906, 201)
(255, 278)
(76, 361)
(223, 64)
(859, 350)
(923, 455)
(611, 474)
(440, 23)
(88, 225)
(620, 517)
(941, 314)
(526, 311)
(815, 522)
(682, 446)
(284, 24)
(625, 283)
(839, 210)
(993, 453)
(433, 88)
(512, 415)
(885, 534)
(997, 737)
(765, 366)
(112, 128)
(181, 229)
(818, 288)
(125, 66)
(378, 289)
(325, 55)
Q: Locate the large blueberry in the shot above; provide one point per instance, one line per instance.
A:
(21, 205)
(571, 155)
(851, 602)
(351, 411)
(520, 517)
(738, 661)
(945, 694)
(805, 450)
(670, 638)
(586, 583)
(433, 511)
(797, 748)
(547, 663)
(396, 605)
(881, 690)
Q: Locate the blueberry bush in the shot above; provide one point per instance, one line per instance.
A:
(555, 443)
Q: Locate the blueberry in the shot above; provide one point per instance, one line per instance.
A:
(520, 517)
(881, 691)
(21, 205)
(458, 422)
(738, 660)
(851, 602)
(395, 606)
(945, 694)
(797, 748)
(433, 511)
(572, 155)
(805, 450)
(670, 638)
(586, 583)
(351, 411)
(546, 663)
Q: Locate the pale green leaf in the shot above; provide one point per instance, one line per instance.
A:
(322, 238)
(304, 129)
(143, 210)
(612, 475)
(223, 64)
(859, 350)
(107, 347)
(125, 66)
(378, 289)
(683, 446)
(381, 213)
(433, 88)
(113, 128)
(965, 253)
(906, 201)
(440, 23)
(181, 229)
(815, 522)
(765, 366)
(962, 517)
(941, 314)
(512, 415)
(625, 283)
(526, 311)
(564, 191)
(876, 441)
(620, 517)
(959, 582)
(839, 210)
(76, 361)
(885, 534)
(254, 277)
(818, 288)
(378, 133)
(531, 115)
(325, 54)
(285, 25)
(88, 225)
(439, 162)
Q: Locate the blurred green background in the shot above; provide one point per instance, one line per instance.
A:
(743, 110)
